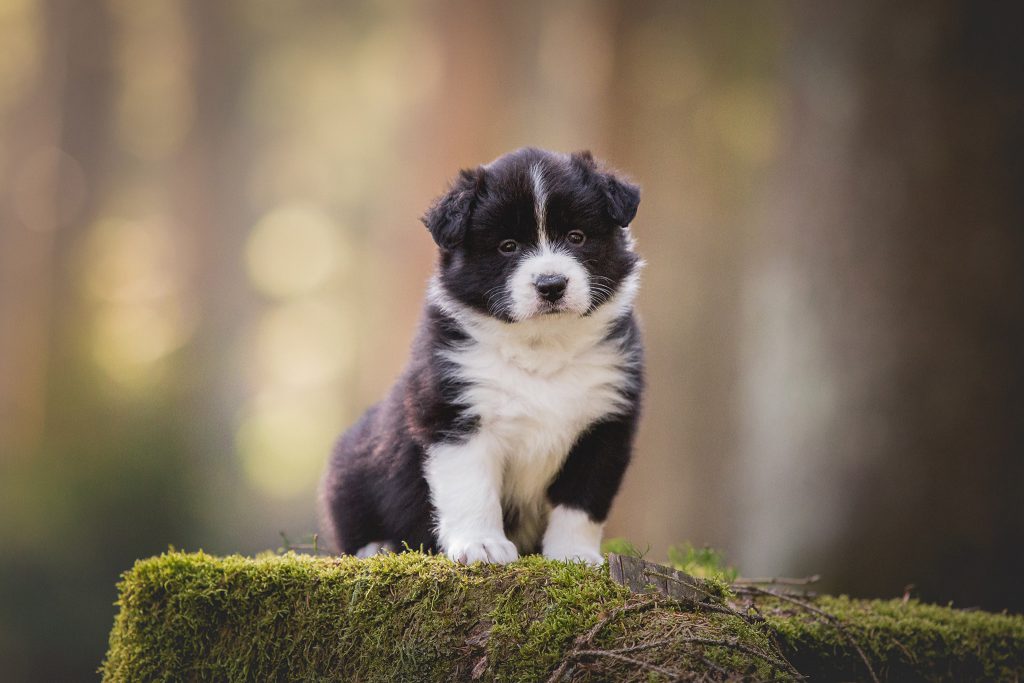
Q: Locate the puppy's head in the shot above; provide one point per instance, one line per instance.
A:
(535, 233)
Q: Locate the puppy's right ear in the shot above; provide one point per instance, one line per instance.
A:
(621, 196)
(448, 219)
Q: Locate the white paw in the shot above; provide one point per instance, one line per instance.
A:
(571, 535)
(574, 554)
(497, 550)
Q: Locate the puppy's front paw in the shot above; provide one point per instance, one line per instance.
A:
(572, 536)
(574, 554)
(495, 550)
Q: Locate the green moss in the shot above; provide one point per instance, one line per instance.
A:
(540, 611)
(704, 562)
(621, 546)
(904, 641)
(419, 617)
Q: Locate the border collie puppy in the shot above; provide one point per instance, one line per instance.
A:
(513, 423)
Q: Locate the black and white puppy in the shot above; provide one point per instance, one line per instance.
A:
(511, 428)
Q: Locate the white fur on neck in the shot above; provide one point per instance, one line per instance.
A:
(545, 343)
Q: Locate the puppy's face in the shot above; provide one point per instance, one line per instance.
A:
(535, 233)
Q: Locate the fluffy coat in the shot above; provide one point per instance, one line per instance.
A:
(512, 425)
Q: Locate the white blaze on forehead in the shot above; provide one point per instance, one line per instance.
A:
(540, 200)
(524, 301)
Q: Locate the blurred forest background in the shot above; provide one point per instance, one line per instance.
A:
(210, 263)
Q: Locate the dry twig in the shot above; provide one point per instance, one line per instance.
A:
(647, 666)
(588, 637)
(777, 581)
(830, 619)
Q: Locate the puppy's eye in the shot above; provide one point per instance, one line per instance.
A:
(508, 247)
(576, 237)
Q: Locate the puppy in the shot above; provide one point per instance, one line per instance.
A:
(512, 425)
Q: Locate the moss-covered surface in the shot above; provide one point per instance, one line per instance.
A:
(415, 617)
(904, 641)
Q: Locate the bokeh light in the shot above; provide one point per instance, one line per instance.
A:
(294, 249)
(49, 190)
(135, 276)
(282, 441)
(304, 344)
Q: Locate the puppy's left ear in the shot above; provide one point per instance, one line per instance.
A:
(448, 219)
(622, 196)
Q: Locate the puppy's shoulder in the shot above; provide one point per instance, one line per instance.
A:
(625, 331)
(430, 389)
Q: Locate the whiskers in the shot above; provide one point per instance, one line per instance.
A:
(498, 300)
(602, 289)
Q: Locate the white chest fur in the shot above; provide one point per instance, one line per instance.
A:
(535, 386)
(535, 389)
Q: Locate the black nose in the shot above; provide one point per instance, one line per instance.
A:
(551, 287)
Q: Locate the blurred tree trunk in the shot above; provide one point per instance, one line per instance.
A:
(32, 210)
(206, 193)
(54, 150)
(699, 115)
(886, 308)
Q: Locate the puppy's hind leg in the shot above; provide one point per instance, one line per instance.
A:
(352, 524)
(374, 548)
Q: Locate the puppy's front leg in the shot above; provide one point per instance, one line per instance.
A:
(465, 487)
(582, 493)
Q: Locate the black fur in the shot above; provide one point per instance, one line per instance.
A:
(374, 489)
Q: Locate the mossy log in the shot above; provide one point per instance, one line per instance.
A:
(415, 617)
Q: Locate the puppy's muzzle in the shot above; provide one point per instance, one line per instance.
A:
(551, 287)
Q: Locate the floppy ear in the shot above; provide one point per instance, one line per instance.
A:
(623, 199)
(622, 196)
(448, 219)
